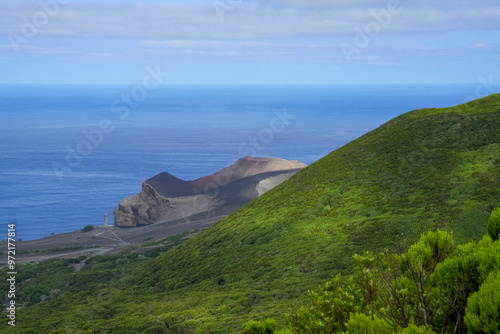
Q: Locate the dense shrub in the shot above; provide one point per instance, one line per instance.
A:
(412, 329)
(332, 306)
(35, 294)
(363, 324)
(259, 327)
(423, 290)
(494, 224)
(88, 228)
(483, 307)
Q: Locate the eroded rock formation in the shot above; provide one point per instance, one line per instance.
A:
(165, 197)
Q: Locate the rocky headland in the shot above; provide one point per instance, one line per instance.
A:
(165, 197)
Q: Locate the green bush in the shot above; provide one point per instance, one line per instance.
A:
(423, 257)
(88, 228)
(330, 310)
(363, 324)
(412, 329)
(423, 289)
(494, 224)
(270, 325)
(417, 271)
(253, 327)
(34, 294)
(259, 327)
(482, 314)
(459, 277)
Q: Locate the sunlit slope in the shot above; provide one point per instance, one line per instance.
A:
(427, 169)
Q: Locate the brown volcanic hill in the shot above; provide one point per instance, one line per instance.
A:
(170, 186)
(244, 167)
(165, 197)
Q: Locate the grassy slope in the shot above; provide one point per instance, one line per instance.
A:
(430, 168)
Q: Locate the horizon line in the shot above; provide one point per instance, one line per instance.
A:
(239, 84)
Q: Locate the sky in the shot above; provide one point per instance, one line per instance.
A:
(228, 42)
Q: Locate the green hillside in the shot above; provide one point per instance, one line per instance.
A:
(424, 170)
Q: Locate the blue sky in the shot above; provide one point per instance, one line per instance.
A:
(250, 41)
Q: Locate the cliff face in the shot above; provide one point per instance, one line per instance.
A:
(143, 208)
(165, 198)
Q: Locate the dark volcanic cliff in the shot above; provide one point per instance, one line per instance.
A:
(165, 197)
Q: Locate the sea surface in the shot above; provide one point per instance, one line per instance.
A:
(70, 154)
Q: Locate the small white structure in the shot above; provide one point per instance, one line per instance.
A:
(105, 220)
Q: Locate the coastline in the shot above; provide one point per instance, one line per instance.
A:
(100, 240)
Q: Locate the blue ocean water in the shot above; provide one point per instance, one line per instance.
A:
(70, 154)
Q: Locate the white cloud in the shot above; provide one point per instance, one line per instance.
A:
(320, 4)
(230, 48)
(102, 55)
(285, 31)
(37, 50)
(280, 19)
(480, 46)
(182, 44)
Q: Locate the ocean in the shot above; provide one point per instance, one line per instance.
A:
(70, 154)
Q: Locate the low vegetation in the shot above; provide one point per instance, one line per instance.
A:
(42, 281)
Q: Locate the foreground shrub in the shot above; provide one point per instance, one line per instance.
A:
(482, 314)
(412, 329)
(363, 324)
(428, 288)
(331, 309)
